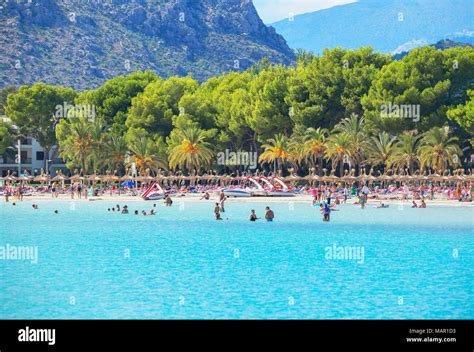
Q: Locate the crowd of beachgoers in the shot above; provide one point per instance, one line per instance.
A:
(455, 192)
(325, 196)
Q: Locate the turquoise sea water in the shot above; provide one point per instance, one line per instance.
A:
(92, 264)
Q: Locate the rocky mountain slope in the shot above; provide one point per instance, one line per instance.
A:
(81, 43)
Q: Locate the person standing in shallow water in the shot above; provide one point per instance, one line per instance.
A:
(326, 210)
(269, 214)
(253, 216)
(168, 201)
(217, 212)
(222, 199)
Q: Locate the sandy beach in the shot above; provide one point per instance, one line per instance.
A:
(214, 198)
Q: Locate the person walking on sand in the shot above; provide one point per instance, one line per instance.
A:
(20, 192)
(346, 194)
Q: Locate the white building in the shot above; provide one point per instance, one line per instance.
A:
(32, 158)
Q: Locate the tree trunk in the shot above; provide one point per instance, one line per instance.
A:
(86, 181)
(47, 165)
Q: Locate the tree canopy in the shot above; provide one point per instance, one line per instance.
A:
(342, 108)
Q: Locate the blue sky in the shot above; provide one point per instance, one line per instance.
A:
(274, 10)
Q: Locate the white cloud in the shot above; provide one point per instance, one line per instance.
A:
(274, 10)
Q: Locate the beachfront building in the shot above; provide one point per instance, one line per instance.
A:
(32, 158)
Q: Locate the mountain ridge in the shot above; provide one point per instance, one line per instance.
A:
(389, 26)
(83, 43)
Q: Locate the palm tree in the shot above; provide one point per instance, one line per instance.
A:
(97, 155)
(277, 150)
(115, 149)
(146, 154)
(296, 150)
(405, 155)
(314, 145)
(339, 150)
(79, 143)
(355, 128)
(189, 149)
(381, 149)
(438, 150)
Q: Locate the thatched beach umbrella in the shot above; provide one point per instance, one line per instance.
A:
(59, 178)
(24, 178)
(42, 178)
(350, 178)
(76, 178)
(363, 177)
(94, 178)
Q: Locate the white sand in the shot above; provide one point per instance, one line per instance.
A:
(214, 198)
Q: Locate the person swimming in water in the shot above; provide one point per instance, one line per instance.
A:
(125, 209)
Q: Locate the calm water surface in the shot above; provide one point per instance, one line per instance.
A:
(92, 264)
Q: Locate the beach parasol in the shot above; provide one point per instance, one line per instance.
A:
(94, 178)
(42, 178)
(59, 178)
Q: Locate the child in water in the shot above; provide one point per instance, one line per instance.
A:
(326, 210)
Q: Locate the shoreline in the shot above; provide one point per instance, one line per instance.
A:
(196, 198)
